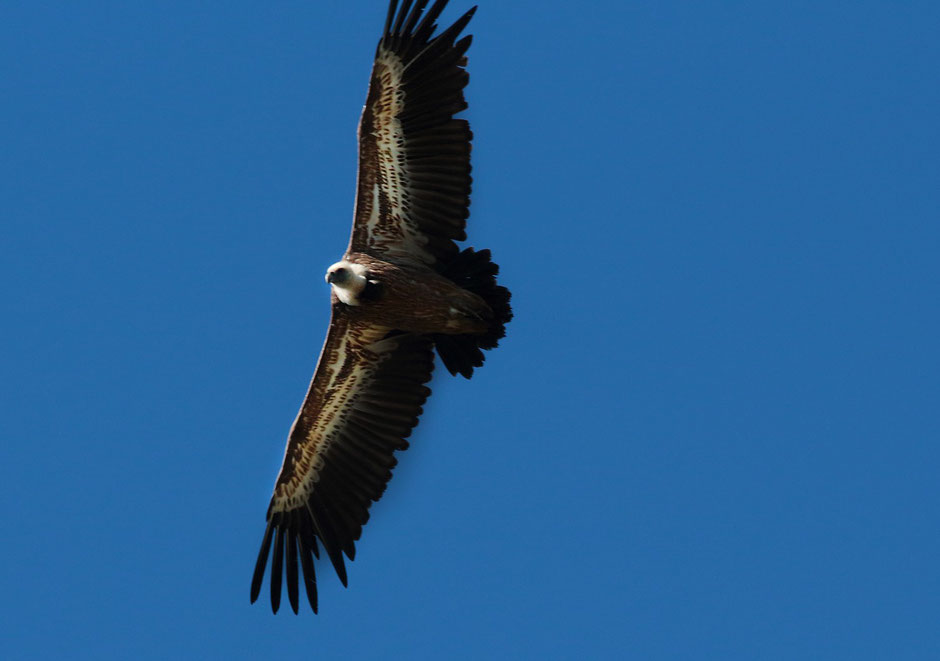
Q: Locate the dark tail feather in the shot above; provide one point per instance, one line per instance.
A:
(475, 272)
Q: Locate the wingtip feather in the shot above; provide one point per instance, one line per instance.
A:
(277, 570)
(262, 562)
(396, 30)
(292, 578)
(392, 6)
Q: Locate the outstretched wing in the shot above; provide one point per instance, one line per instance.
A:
(364, 400)
(413, 191)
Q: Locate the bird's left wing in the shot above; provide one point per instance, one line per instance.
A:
(364, 400)
(413, 191)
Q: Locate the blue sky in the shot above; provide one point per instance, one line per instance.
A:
(710, 433)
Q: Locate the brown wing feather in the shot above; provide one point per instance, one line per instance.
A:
(413, 191)
(364, 400)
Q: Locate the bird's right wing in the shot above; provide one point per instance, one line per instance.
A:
(364, 400)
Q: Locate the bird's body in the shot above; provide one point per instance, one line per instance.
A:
(402, 291)
(414, 298)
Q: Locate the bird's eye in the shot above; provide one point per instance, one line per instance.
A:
(340, 272)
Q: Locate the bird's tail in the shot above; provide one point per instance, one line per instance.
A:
(475, 272)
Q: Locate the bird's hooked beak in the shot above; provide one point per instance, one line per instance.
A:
(338, 275)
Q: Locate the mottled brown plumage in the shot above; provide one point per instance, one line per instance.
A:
(403, 290)
(419, 300)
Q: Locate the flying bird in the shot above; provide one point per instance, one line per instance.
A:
(402, 291)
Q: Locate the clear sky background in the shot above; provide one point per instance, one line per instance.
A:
(712, 431)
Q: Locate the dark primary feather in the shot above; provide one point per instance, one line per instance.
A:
(276, 574)
(307, 546)
(292, 567)
(258, 576)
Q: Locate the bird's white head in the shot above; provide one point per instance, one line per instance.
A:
(348, 280)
